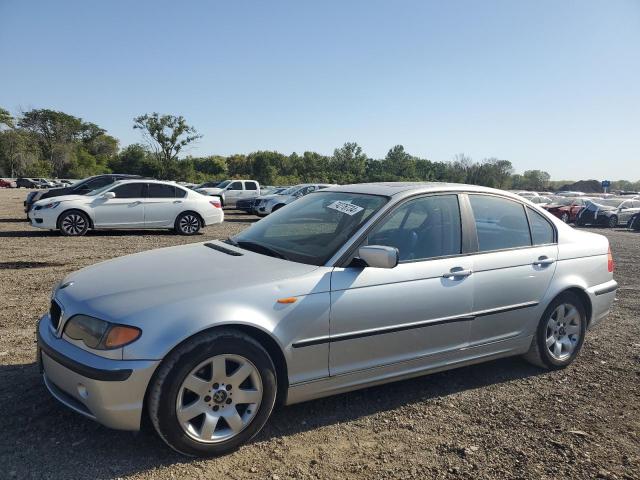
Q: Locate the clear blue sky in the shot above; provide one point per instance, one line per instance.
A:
(549, 84)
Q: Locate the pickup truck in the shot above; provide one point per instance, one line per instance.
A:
(230, 191)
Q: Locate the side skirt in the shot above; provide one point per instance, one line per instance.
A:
(302, 392)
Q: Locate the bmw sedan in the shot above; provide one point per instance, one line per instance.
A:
(128, 204)
(348, 287)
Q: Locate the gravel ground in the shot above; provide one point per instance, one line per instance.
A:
(504, 419)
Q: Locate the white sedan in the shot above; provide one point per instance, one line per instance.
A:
(128, 204)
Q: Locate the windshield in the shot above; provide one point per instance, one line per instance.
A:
(311, 229)
(223, 184)
(290, 190)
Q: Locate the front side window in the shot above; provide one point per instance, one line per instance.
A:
(235, 186)
(541, 229)
(500, 223)
(311, 229)
(158, 190)
(129, 190)
(422, 228)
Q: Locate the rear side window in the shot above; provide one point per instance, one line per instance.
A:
(158, 190)
(180, 193)
(541, 229)
(423, 228)
(129, 190)
(500, 223)
(250, 185)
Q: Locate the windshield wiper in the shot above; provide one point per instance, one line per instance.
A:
(259, 248)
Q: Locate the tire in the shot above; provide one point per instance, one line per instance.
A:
(167, 393)
(565, 217)
(613, 221)
(277, 207)
(634, 223)
(188, 223)
(73, 223)
(539, 353)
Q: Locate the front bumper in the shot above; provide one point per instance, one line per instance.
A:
(110, 392)
(44, 218)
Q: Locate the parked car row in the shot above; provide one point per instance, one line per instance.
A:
(602, 209)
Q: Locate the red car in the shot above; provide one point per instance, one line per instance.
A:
(567, 209)
(6, 183)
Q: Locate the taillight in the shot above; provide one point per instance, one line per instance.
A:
(611, 265)
(216, 203)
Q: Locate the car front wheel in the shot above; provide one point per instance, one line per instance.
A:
(73, 223)
(613, 221)
(560, 333)
(213, 393)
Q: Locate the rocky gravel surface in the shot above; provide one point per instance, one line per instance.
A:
(503, 419)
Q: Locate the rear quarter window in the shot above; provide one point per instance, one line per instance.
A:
(541, 230)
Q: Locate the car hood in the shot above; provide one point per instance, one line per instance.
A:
(64, 198)
(129, 285)
(210, 191)
(56, 192)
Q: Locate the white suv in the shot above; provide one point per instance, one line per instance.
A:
(230, 191)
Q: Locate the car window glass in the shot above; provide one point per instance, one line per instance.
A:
(500, 223)
(180, 193)
(423, 228)
(97, 183)
(158, 190)
(541, 229)
(129, 190)
(250, 186)
(235, 186)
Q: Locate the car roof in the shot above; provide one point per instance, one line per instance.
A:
(147, 180)
(390, 189)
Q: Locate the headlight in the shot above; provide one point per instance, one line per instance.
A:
(51, 205)
(99, 334)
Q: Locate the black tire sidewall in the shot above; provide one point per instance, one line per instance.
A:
(541, 333)
(612, 222)
(167, 419)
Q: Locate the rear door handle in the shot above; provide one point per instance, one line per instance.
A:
(457, 272)
(177, 201)
(544, 261)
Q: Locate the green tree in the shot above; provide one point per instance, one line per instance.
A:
(6, 119)
(399, 165)
(167, 136)
(348, 163)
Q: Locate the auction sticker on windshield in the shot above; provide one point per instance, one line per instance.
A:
(345, 207)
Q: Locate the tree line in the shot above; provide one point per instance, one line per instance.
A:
(48, 143)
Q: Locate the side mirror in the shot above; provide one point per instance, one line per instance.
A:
(108, 195)
(379, 256)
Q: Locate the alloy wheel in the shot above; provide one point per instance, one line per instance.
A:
(73, 224)
(189, 224)
(563, 331)
(565, 217)
(219, 398)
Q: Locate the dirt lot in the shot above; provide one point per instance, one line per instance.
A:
(504, 419)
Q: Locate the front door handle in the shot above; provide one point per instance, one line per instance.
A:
(457, 272)
(544, 261)
(177, 201)
(136, 203)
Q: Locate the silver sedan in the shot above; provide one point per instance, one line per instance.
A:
(348, 287)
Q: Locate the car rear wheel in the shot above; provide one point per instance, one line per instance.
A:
(213, 393)
(73, 223)
(613, 221)
(188, 223)
(560, 333)
(565, 217)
